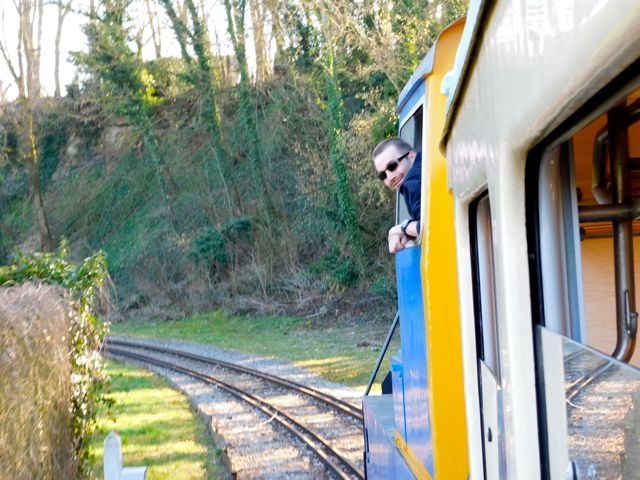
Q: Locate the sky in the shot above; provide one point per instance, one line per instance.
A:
(73, 39)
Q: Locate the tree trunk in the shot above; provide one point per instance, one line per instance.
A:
(25, 70)
(62, 13)
(338, 155)
(46, 243)
(30, 155)
(30, 45)
(235, 10)
(276, 28)
(260, 45)
(156, 30)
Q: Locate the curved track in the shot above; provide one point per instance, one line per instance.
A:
(601, 397)
(337, 403)
(582, 370)
(335, 461)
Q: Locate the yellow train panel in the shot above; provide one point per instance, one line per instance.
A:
(439, 280)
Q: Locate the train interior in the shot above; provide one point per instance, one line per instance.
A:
(591, 152)
(585, 233)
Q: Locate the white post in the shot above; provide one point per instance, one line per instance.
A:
(113, 469)
(112, 457)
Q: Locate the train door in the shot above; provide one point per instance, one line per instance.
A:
(583, 207)
(487, 342)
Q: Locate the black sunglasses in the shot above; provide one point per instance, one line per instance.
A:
(391, 166)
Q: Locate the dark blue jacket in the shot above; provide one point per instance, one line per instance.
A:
(410, 188)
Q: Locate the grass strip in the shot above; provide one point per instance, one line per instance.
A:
(158, 428)
(344, 353)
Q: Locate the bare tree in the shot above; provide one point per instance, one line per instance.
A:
(258, 23)
(24, 67)
(3, 92)
(63, 9)
(274, 8)
(33, 44)
(155, 27)
(191, 33)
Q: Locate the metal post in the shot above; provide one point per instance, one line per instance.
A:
(382, 353)
(622, 234)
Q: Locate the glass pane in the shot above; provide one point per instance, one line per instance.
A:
(592, 406)
(486, 285)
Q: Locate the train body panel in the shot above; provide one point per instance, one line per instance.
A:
(439, 279)
(427, 389)
(526, 57)
(414, 363)
(382, 457)
(529, 66)
(522, 334)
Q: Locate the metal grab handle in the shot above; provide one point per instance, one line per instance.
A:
(631, 316)
(621, 194)
(382, 353)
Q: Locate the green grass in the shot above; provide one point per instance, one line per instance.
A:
(344, 353)
(158, 428)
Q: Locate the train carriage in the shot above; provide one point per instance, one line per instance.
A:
(528, 261)
(419, 429)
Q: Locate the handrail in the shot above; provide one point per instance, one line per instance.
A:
(622, 235)
(387, 341)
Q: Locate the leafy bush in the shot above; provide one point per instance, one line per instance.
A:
(238, 227)
(382, 287)
(341, 270)
(85, 336)
(210, 246)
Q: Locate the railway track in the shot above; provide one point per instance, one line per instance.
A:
(581, 370)
(600, 393)
(317, 420)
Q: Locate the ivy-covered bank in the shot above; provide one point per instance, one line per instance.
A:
(210, 184)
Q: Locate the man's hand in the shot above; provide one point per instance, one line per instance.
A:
(397, 239)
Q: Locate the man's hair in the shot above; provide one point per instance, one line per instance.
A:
(391, 142)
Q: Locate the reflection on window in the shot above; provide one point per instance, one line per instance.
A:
(597, 434)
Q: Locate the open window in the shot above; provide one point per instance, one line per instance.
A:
(587, 232)
(410, 132)
(583, 207)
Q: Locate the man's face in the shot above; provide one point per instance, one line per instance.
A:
(395, 163)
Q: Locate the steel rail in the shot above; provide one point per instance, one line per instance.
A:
(337, 403)
(307, 436)
(583, 381)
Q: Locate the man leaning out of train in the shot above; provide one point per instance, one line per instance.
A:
(399, 166)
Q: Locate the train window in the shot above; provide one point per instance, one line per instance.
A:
(487, 342)
(559, 242)
(410, 132)
(584, 234)
(484, 284)
(608, 179)
(588, 232)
